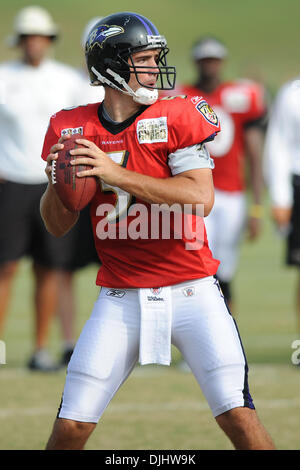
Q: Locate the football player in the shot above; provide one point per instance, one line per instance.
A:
(155, 290)
(241, 108)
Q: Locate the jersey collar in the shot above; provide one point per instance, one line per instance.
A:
(116, 128)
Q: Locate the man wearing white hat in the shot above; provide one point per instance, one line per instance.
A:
(33, 20)
(33, 88)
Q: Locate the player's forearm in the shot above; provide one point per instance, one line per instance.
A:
(57, 218)
(181, 189)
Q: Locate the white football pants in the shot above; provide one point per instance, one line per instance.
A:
(202, 329)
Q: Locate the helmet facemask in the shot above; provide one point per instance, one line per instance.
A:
(119, 70)
(166, 75)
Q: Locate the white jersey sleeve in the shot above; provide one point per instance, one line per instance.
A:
(281, 152)
(190, 158)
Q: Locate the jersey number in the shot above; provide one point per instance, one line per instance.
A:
(123, 199)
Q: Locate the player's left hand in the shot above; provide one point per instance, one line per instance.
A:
(103, 166)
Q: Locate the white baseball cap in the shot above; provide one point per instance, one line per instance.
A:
(209, 47)
(32, 20)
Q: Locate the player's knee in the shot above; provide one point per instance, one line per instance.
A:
(237, 419)
(69, 434)
(77, 427)
(245, 430)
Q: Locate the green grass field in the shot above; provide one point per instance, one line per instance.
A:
(263, 38)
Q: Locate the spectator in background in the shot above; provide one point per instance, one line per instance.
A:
(34, 87)
(241, 108)
(282, 171)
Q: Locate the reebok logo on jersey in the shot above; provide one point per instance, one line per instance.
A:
(72, 131)
(196, 99)
(150, 131)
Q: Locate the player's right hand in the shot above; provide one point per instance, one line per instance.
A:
(53, 155)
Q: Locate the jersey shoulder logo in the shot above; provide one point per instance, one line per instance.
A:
(153, 130)
(207, 112)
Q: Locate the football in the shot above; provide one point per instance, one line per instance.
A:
(74, 192)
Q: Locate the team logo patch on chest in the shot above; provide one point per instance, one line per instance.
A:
(150, 131)
(207, 112)
(72, 131)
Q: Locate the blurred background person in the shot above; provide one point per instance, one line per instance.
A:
(34, 87)
(282, 171)
(241, 108)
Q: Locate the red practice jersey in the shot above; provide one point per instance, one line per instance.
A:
(142, 144)
(237, 104)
